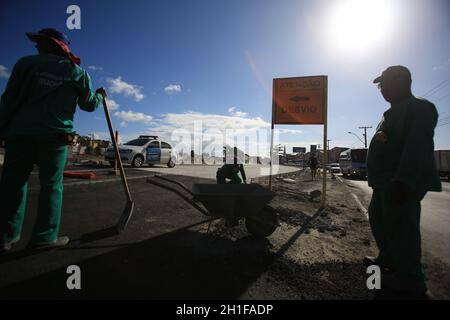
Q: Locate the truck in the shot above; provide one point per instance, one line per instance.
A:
(442, 158)
(352, 162)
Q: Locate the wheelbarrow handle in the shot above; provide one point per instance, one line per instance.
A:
(184, 197)
(182, 185)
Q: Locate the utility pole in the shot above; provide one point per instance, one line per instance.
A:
(365, 135)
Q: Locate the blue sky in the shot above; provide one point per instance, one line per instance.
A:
(167, 64)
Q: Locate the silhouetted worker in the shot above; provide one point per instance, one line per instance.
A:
(231, 171)
(401, 169)
(36, 121)
(312, 163)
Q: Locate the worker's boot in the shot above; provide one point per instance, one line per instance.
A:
(399, 287)
(370, 261)
(6, 246)
(59, 242)
(231, 222)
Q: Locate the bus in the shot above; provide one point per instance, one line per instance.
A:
(353, 162)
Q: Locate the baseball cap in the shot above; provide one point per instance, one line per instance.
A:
(48, 32)
(393, 72)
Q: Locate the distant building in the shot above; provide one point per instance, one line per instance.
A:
(334, 153)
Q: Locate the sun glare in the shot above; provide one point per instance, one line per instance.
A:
(359, 25)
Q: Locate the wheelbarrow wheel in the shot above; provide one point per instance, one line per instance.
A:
(263, 223)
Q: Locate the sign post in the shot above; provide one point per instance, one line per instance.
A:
(300, 100)
(325, 143)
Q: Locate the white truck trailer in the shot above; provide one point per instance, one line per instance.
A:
(442, 158)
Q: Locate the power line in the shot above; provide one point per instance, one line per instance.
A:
(436, 88)
(442, 124)
(443, 97)
(444, 118)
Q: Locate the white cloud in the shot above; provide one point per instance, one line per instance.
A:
(172, 88)
(443, 66)
(94, 68)
(131, 116)
(172, 121)
(113, 105)
(290, 131)
(117, 85)
(240, 114)
(123, 124)
(4, 72)
(233, 111)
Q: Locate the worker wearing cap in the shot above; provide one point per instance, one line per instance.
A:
(401, 169)
(231, 169)
(36, 122)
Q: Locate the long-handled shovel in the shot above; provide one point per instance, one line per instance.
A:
(129, 207)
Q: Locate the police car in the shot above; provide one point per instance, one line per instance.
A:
(144, 150)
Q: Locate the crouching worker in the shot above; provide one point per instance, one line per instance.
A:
(230, 171)
(36, 124)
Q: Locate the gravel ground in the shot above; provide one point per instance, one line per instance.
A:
(313, 254)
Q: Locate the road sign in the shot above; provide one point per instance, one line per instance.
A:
(298, 150)
(299, 100)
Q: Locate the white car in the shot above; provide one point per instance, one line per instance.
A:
(144, 150)
(334, 168)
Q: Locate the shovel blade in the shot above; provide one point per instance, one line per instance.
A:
(125, 217)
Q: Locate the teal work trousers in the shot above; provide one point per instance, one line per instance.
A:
(21, 154)
(396, 229)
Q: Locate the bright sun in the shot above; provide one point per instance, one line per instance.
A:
(359, 25)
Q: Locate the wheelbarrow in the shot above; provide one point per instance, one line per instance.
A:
(230, 201)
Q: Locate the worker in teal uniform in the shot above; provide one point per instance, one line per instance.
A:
(231, 169)
(36, 125)
(401, 170)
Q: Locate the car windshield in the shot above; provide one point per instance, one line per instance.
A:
(359, 155)
(137, 142)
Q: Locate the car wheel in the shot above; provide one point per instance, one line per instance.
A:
(263, 223)
(137, 162)
(171, 163)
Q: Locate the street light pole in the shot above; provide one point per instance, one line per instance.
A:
(365, 135)
(357, 137)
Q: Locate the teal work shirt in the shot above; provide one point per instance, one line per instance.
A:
(233, 169)
(402, 148)
(42, 94)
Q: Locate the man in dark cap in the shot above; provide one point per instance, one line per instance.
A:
(36, 125)
(401, 169)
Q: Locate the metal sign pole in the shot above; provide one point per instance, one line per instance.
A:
(325, 147)
(271, 143)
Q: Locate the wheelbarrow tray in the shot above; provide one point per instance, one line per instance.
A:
(238, 200)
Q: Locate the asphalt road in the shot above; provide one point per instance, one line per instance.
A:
(435, 221)
(209, 171)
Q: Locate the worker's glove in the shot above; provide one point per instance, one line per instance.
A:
(102, 91)
(399, 192)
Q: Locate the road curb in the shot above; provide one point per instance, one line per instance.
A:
(265, 179)
(358, 202)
